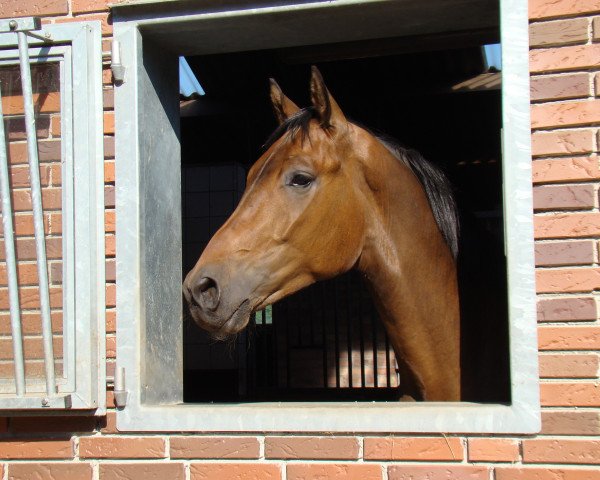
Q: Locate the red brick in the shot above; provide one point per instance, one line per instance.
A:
(49, 471)
(111, 270)
(569, 338)
(109, 196)
(413, 448)
(109, 171)
(235, 471)
(30, 299)
(577, 394)
(106, 75)
(110, 399)
(111, 295)
(570, 422)
(438, 472)
(42, 102)
(109, 221)
(575, 309)
(558, 8)
(110, 245)
(558, 280)
(566, 170)
(121, 447)
(109, 149)
(596, 29)
(53, 424)
(84, 6)
(111, 346)
(561, 451)
(108, 98)
(562, 142)
(567, 225)
(109, 123)
(29, 8)
(26, 274)
(51, 199)
(103, 18)
(554, 197)
(111, 321)
(214, 447)
(554, 87)
(49, 151)
(553, 254)
(145, 471)
(109, 423)
(35, 449)
(33, 348)
(569, 366)
(15, 127)
(569, 114)
(332, 448)
(560, 32)
(493, 450)
(524, 473)
(597, 85)
(558, 59)
(26, 250)
(55, 126)
(30, 323)
(19, 176)
(333, 471)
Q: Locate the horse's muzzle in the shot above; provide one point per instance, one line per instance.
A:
(205, 294)
(213, 307)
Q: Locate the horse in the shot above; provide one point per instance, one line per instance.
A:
(327, 196)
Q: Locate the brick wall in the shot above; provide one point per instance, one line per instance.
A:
(565, 67)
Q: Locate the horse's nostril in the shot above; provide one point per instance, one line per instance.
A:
(206, 293)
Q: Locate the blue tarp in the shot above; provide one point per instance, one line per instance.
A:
(188, 83)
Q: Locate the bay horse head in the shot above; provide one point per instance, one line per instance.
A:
(327, 196)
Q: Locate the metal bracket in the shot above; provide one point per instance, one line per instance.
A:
(25, 24)
(120, 392)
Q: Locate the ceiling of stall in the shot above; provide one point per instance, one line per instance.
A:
(206, 27)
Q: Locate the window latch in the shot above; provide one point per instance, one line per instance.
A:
(120, 392)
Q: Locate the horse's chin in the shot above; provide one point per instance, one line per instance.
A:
(231, 326)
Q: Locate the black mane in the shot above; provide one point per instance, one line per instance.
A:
(437, 187)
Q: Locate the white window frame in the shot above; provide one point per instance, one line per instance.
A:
(76, 47)
(149, 331)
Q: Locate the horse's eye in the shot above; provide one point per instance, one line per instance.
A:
(300, 180)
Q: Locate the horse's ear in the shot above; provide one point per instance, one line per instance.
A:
(283, 107)
(328, 111)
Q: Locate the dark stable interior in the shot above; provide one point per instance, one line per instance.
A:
(298, 349)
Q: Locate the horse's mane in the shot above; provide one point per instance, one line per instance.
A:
(437, 187)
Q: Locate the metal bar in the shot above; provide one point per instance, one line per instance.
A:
(336, 333)
(361, 334)
(349, 329)
(374, 332)
(11, 263)
(324, 335)
(387, 361)
(38, 219)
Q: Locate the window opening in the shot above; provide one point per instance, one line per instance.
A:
(302, 353)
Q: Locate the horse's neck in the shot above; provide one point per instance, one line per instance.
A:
(413, 277)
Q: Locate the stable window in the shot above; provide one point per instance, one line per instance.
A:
(317, 360)
(52, 262)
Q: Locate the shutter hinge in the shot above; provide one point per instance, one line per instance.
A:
(121, 394)
(117, 68)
